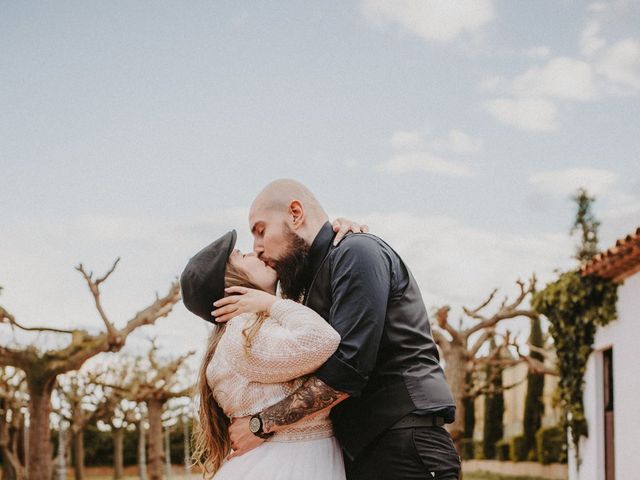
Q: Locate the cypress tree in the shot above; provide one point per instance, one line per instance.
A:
(469, 413)
(493, 409)
(534, 405)
(586, 225)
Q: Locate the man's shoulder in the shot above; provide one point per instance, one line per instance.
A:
(362, 245)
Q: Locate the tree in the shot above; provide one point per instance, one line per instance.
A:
(493, 407)
(586, 224)
(42, 368)
(534, 403)
(469, 412)
(13, 404)
(82, 400)
(460, 348)
(576, 305)
(155, 381)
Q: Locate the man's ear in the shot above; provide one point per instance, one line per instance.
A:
(296, 212)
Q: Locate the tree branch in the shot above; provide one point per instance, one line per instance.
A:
(442, 321)
(95, 291)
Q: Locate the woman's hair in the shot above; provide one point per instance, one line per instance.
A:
(211, 433)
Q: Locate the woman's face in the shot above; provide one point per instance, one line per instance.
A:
(260, 274)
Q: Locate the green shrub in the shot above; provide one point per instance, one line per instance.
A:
(467, 447)
(478, 450)
(502, 450)
(551, 445)
(517, 449)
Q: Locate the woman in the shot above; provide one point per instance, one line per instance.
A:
(253, 361)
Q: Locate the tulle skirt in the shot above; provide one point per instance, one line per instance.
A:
(318, 459)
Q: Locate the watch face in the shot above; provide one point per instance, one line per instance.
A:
(254, 425)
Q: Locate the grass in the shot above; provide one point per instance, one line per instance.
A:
(495, 476)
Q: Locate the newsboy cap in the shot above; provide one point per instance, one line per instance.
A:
(202, 280)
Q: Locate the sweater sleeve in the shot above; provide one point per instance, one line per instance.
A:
(293, 342)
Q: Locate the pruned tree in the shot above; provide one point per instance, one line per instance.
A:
(14, 401)
(43, 367)
(82, 401)
(120, 413)
(461, 347)
(155, 381)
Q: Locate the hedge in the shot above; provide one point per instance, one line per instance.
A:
(502, 450)
(551, 445)
(517, 449)
(467, 448)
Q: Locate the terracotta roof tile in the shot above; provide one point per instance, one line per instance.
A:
(618, 262)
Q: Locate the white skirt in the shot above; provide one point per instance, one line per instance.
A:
(319, 459)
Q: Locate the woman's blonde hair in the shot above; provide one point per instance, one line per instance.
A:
(211, 433)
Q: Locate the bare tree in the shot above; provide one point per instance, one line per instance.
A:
(82, 401)
(461, 348)
(42, 368)
(155, 381)
(120, 413)
(13, 404)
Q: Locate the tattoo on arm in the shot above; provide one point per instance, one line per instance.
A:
(313, 396)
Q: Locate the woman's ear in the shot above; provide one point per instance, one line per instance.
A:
(296, 211)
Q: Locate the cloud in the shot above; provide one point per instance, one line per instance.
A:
(597, 7)
(534, 114)
(561, 77)
(565, 182)
(590, 42)
(432, 20)
(407, 138)
(423, 162)
(458, 142)
(459, 265)
(541, 51)
(620, 64)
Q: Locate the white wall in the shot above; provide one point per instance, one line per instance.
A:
(624, 336)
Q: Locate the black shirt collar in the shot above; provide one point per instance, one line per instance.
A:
(320, 247)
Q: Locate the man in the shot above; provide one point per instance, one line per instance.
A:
(387, 391)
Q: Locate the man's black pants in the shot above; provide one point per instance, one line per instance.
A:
(406, 454)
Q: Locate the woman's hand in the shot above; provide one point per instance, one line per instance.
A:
(242, 300)
(342, 226)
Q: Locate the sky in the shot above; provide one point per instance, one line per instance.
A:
(457, 130)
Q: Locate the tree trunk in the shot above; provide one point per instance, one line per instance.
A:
(187, 453)
(156, 454)
(12, 469)
(456, 373)
(167, 452)
(61, 457)
(118, 463)
(142, 455)
(40, 461)
(78, 455)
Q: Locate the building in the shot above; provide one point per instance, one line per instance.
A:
(612, 388)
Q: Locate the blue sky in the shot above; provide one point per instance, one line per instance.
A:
(456, 129)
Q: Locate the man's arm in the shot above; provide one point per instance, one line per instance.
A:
(313, 396)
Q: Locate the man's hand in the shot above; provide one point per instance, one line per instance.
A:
(342, 226)
(243, 300)
(242, 440)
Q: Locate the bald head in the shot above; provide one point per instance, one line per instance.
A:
(278, 195)
(287, 201)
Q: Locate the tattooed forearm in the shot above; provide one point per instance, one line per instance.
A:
(313, 396)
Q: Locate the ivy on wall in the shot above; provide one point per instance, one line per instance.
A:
(575, 306)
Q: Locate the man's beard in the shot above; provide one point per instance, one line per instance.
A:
(292, 268)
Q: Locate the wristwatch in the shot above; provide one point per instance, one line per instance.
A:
(256, 427)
